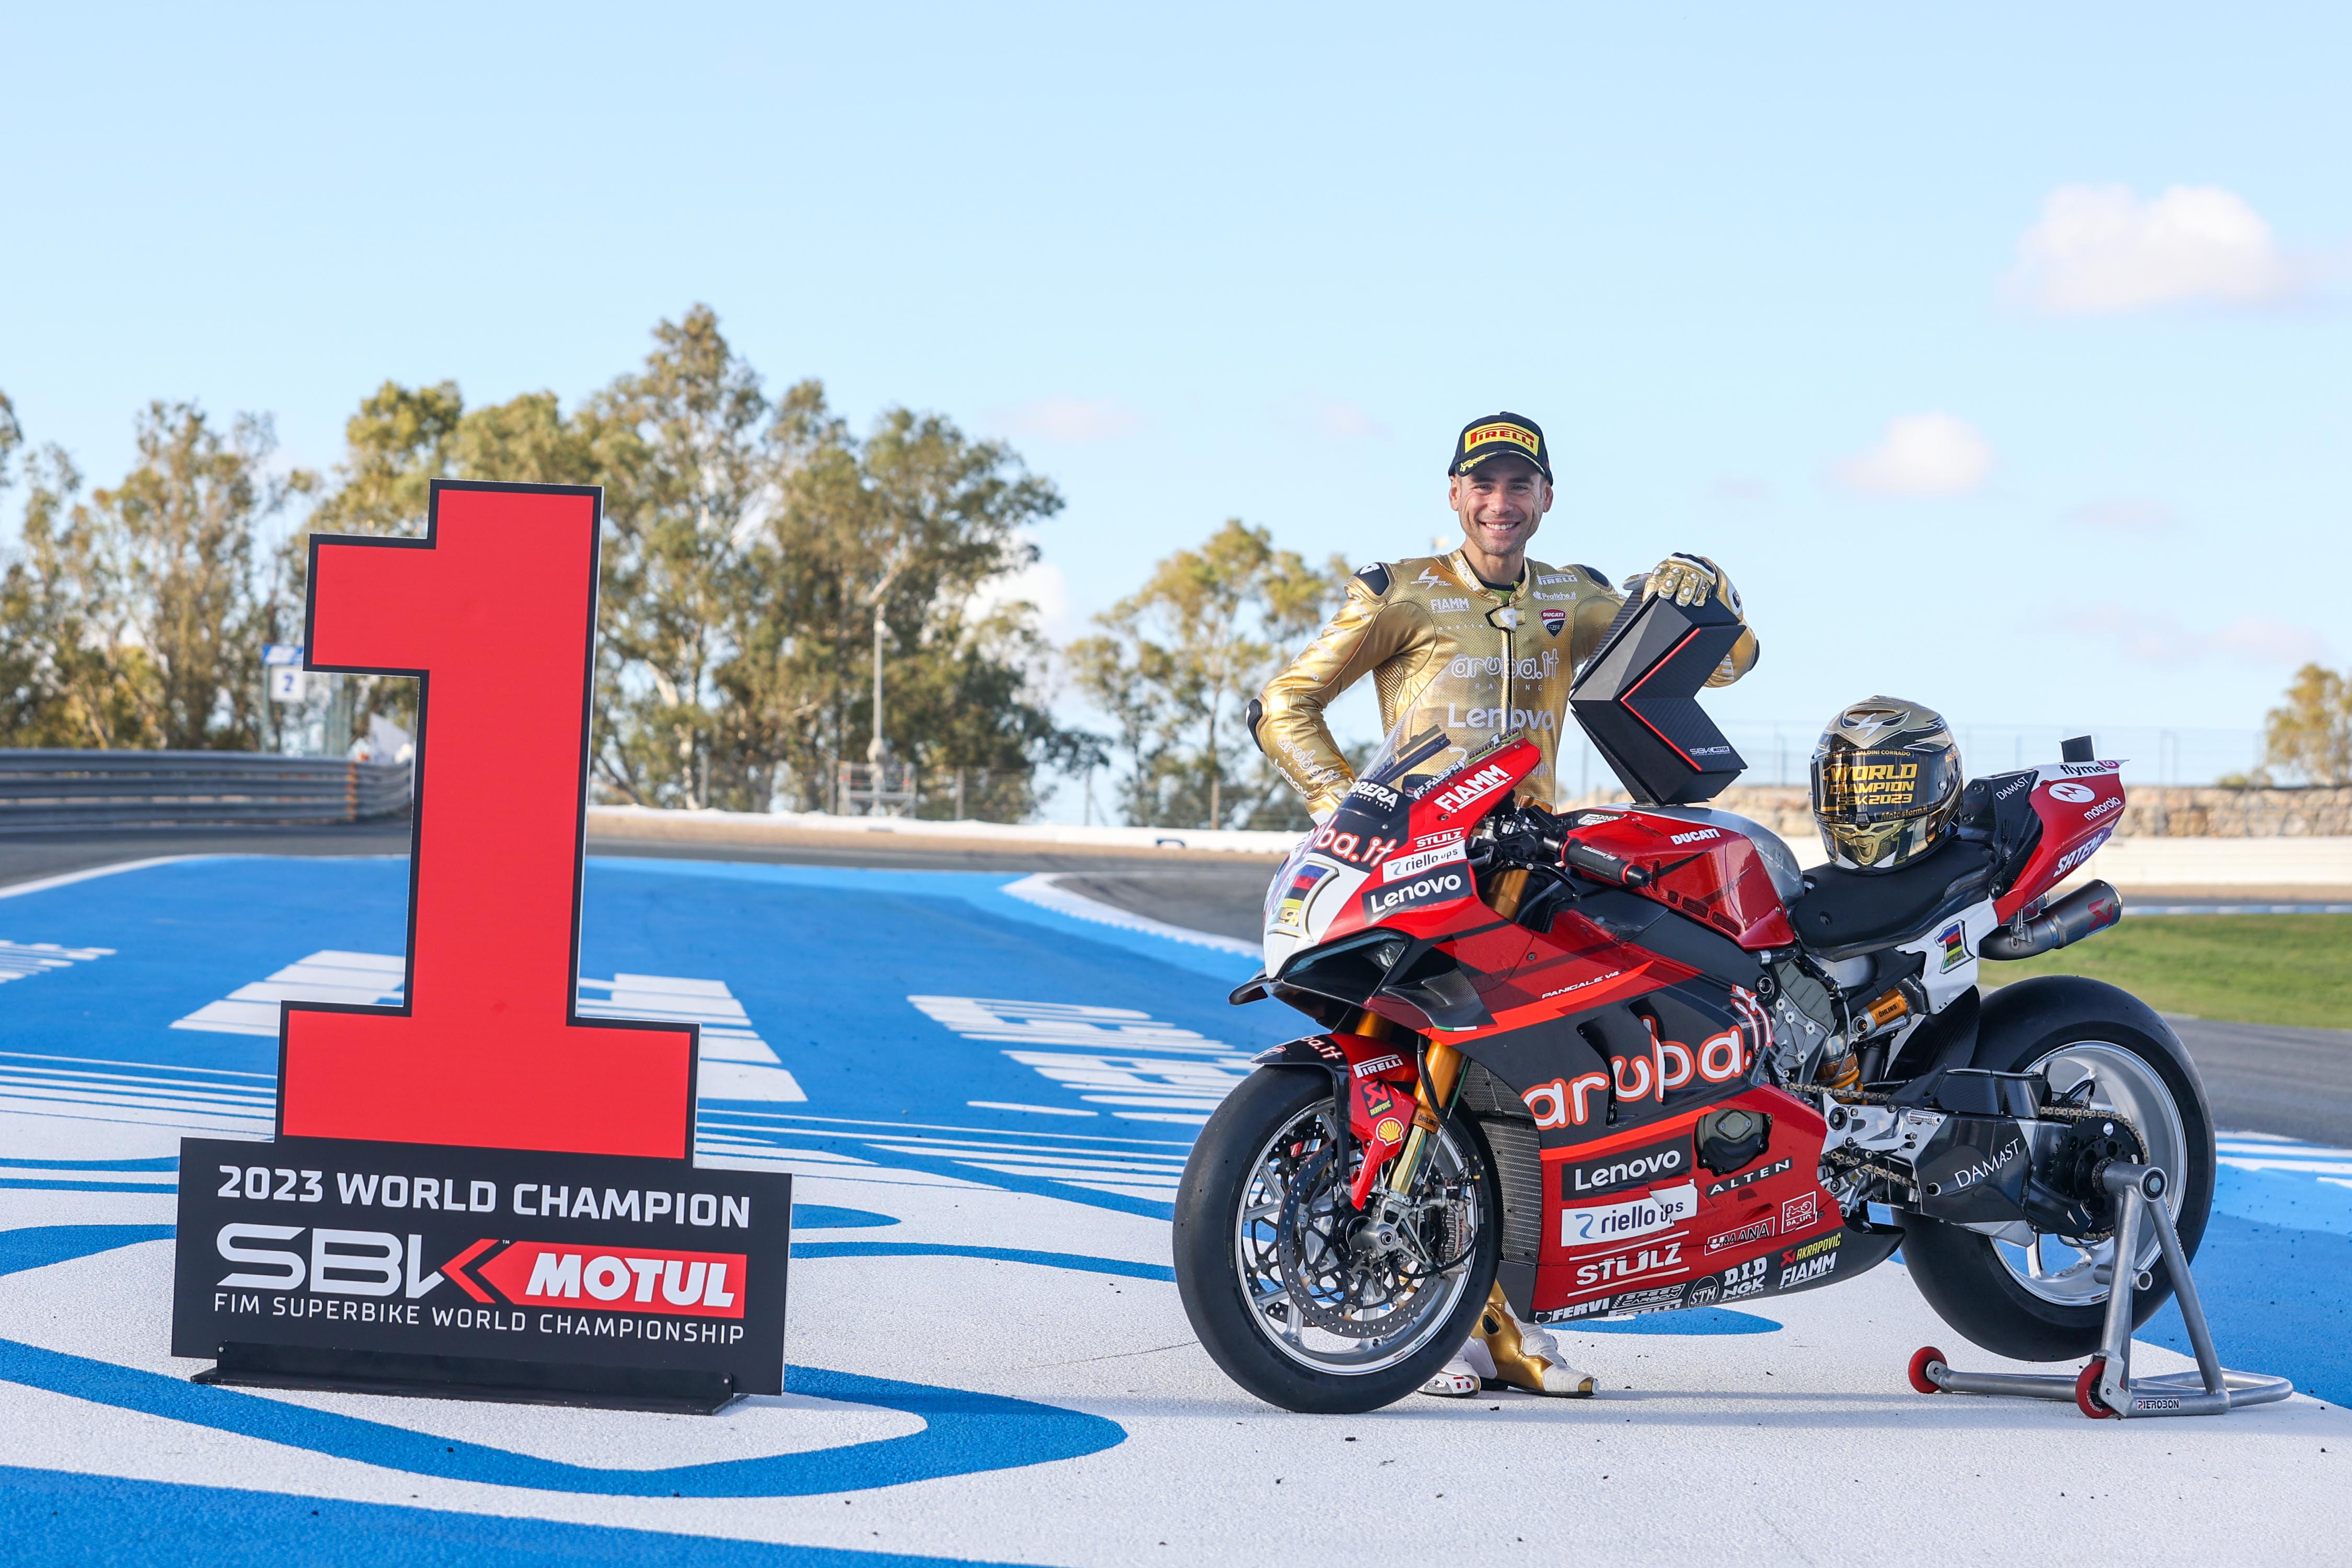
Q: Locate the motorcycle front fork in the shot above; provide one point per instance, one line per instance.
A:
(1442, 1078)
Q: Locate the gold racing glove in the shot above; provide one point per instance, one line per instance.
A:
(1688, 580)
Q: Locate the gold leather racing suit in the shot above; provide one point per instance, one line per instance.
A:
(1446, 651)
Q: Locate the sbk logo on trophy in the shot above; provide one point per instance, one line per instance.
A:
(478, 1192)
(641, 1263)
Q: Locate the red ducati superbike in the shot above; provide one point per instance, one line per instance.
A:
(1636, 1059)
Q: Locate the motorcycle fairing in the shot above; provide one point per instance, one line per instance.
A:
(1711, 871)
(2079, 804)
(1393, 847)
(1635, 1223)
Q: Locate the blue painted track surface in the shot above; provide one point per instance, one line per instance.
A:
(823, 962)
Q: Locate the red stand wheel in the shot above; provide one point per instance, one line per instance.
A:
(2087, 1391)
(1919, 1359)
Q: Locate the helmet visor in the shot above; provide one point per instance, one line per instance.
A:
(1883, 786)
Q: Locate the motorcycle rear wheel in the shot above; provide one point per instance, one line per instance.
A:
(2005, 1297)
(1232, 1188)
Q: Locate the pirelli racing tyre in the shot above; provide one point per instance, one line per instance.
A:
(1375, 1324)
(2046, 1301)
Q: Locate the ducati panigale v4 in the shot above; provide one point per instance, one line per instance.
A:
(1634, 1059)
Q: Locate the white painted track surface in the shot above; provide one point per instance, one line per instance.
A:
(1790, 1441)
(1802, 1442)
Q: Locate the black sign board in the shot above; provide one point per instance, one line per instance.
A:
(413, 1256)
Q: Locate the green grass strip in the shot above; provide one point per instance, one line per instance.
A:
(2248, 969)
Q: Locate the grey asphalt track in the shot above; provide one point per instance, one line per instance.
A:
(2295, 1083)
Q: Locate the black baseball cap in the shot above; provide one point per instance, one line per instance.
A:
(1499, 433)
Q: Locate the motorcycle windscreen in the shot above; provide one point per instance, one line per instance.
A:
(1638, 699)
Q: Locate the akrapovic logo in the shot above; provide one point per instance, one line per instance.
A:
(1475, 788)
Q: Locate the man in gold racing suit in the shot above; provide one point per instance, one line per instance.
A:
(1478, 643)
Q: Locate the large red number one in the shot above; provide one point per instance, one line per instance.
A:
(494, 611)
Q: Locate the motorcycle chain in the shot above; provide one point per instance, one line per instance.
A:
(1845, 1162)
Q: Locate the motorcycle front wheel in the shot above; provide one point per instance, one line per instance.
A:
(2040, 1297)
(1302, 1301)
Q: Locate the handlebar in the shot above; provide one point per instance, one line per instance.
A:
(1545, 837)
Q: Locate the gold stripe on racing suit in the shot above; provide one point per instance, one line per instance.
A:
(1445, 651)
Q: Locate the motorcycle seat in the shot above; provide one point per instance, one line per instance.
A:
(1844, 915)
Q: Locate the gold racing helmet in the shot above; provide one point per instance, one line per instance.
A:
(1886, 782)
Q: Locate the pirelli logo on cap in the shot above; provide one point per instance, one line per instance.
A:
(1516, 435)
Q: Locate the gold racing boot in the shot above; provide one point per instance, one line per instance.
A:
(1502, 1351)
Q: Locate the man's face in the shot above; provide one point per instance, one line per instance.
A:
(1501, 502)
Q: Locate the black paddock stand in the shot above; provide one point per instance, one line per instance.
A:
(2106, 1387)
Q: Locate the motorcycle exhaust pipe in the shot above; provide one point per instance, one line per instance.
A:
(2093, 907)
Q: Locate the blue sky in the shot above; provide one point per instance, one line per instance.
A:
(1998, 351)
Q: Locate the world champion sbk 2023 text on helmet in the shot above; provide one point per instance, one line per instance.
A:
(1886, 782)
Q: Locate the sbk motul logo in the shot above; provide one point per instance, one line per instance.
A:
(525, 1273)
(693, 1284)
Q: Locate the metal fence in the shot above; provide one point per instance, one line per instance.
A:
(942, 794)
(1781, 753)
(44, 790)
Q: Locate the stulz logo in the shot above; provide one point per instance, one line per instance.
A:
(1761, 1173)
(373, 1263)
(1607, 1224)
(1429, 889)
(1633, 1168)
(1664, 1258)
(1695, 837)
(1475, 788)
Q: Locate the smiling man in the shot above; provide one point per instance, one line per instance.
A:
(1478, 642)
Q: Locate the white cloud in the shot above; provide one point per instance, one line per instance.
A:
(1040, 584)
(2126, 514)
(1920, 455)
(2100, 249)
(1079, 421)
(2149, 637)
